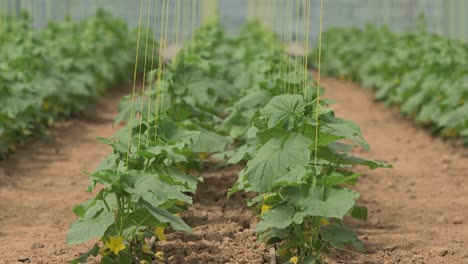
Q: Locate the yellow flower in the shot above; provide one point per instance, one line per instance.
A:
(265, 208)
(294, 260)
(203, 155)
(115, 244)
(266, 197)
(160, 255)
(159, 232)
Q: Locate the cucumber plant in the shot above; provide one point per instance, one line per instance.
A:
(233, 99)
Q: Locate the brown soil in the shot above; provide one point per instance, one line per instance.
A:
(40, 184)
(222, 228)
(418, 210)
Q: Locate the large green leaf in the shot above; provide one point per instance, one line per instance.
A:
(345, 129)
(165, 216)
(276, 158)
(339, 236)
(334, 202)
(86, 229)
(330, 155)
(285, 109)
(149, 187)
(208, 141)
(280, 217)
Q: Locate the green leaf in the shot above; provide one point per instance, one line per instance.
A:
(334, 203)
(176, 177)
(330, 155)
(171, 153)
(455, 118)
(148, 186)
(294, 177)
(276, 158)
(124, 257)
(210, 142)
(84, 258)
(280, 217)
(359, 212)
(286, 109)
(86, 229)
(164, 216)
(339, 236)
(239, 154)
(81, 209)
(336, 178)
(345, 129)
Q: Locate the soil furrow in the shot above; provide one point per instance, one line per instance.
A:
(419, 209)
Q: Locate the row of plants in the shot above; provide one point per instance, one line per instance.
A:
(236, 101)
(56, 72)
(424, 75)
(297, 163)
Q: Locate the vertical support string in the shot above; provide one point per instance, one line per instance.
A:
(290, 37)
(144, 73)
(159, 99)
(317, 109)
(3, 15)
(307, 29)
(132, 111)
(303, 40)
(176, 23)
(48, 10)
(462, 19)
(452, 9)
(193, 22)
(153, 49)
(296, 44)
(160, 66)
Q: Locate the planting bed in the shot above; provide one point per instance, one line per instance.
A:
(418, 210)
(229, 154)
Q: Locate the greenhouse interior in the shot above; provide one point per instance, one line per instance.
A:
(234, 131)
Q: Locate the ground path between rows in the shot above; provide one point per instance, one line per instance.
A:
(418, 210)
